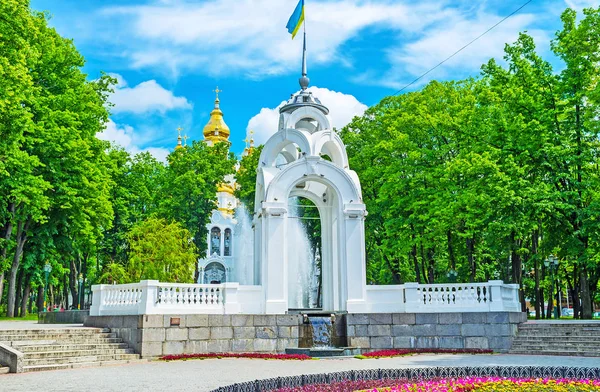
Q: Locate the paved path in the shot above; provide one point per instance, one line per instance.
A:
(206, 375)
(27, 324)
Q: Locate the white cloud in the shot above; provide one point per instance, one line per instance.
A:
(415, 58)
(148, 96)
(342, 108)
(579, 5)
(124, 136)
(229, 36)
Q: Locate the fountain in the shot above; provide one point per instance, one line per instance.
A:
(303, 268)
(243, 245)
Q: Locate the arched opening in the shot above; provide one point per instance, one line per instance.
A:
(215, 241)
(288, 154)
(214, 273)
(227, 243)
(309, 124)
(304, 254)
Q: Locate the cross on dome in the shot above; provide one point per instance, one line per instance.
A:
(217, 91)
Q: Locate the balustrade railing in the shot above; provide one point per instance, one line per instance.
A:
(492, 296)
(153, 297)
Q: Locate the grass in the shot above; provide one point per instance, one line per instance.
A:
(29, 317)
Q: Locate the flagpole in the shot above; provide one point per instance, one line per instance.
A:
(304, 73)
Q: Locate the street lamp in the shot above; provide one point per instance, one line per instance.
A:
(80, 281)
(47, 270)
(452, 275)
(552, 263)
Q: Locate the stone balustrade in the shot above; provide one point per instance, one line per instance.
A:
(492, 296)
(153, 297)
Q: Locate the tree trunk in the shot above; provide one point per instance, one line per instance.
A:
(40, 298)
(6, 235)
(18, 293)
(66, 291)
(516, 262)
(471, 258)
(451, 251)
(25, 298)
(73, 283)
(12, 279)
(539, 305)
(586, 301)
(1, 285)
(84, 269)
(423, 264)
(431, 266)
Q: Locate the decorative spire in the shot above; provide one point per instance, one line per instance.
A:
(304, 80)
(217, 91)
(251, 139)
(185, 138)
(179, 129)
(216, 130)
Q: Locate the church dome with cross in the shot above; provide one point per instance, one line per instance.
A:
(216, 131)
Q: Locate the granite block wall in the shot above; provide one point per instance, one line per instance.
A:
(156, 335)
(494, 330)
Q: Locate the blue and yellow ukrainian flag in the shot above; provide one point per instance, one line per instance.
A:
(293, 25)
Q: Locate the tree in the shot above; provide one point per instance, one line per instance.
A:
(53, 177)
(160, 250)
(245, 177)
(190, 186)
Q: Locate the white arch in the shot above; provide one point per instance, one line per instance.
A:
(328, 142)
(290, 121)
(313, 169)
(280, 141)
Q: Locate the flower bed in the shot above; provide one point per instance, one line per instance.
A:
(494, 384)
(483, 384)
(411, 351)
(297, 357)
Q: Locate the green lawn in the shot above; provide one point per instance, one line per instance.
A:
(29, 317)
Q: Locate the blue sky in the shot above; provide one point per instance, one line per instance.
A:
(169, 55)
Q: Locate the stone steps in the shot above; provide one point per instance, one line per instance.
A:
(557, 339)
(78, 331)
(38, 368)
(50, 349)
(78, 359)
(558, 352)
(56, 336)
(68, 347)
(59, 341)
(75, 353)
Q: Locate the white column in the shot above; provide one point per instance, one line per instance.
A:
(411, 297)
(222, 253)
(275, 262)
(355, 266)
(97, 299)
(230, 294)
(147, 303)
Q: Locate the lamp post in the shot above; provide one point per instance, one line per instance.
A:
(47, 270)
(552, 263)
(80, 281)
(452, 275)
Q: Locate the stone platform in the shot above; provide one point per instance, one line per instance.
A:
(485, 330)
(157, 335)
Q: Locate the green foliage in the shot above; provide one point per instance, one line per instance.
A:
(158, 250)
(245, 177)
(189, 186)
(488, 177)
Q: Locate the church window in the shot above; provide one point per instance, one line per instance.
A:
(227, 242)
(215, 241)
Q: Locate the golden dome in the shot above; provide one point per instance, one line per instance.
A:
(216, 130)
